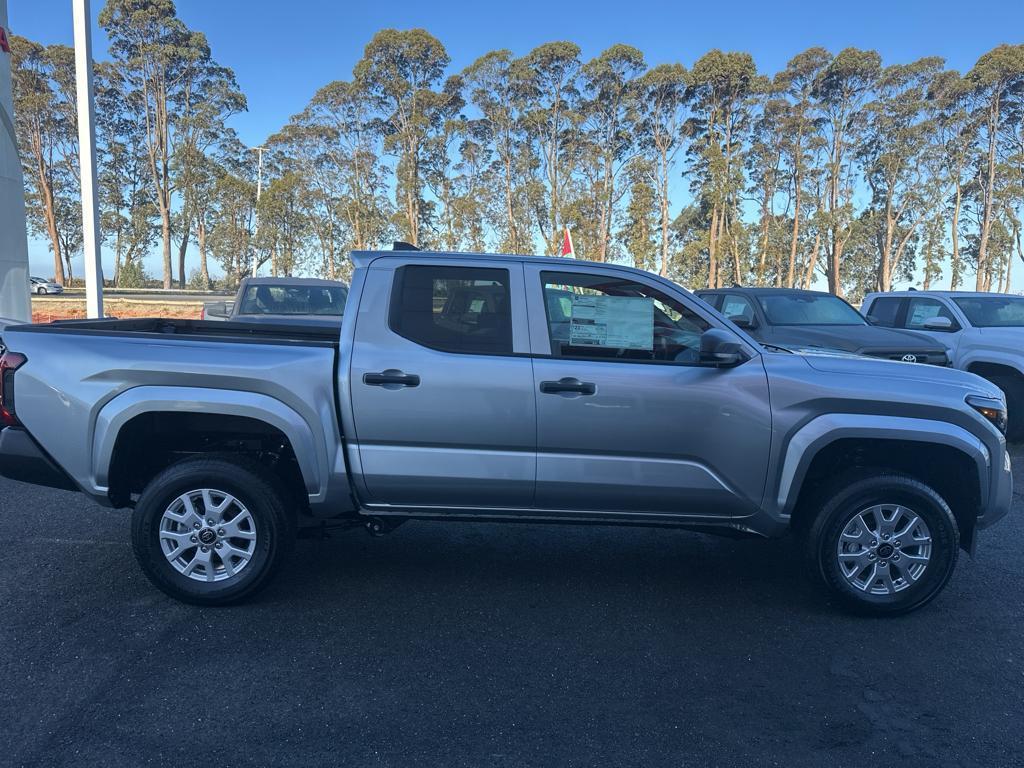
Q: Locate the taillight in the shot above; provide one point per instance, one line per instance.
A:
(9, 363)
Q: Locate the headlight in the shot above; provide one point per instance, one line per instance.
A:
(991, 409)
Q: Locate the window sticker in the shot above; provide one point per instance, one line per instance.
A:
(622, 322)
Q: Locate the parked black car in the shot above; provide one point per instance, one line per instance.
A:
(796, 319)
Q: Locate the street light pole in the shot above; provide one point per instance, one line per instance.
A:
(87, 160)
(259, 191)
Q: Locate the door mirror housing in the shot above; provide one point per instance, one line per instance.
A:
(720, 348)
(938, 324)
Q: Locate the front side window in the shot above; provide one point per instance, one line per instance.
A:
(920, 310)
(808, 309)
(596, 316)
(453, 309)
(294, 300)
(993, 311)
(739, 308)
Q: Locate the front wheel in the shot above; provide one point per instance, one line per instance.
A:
(211, 531)
(884, 544)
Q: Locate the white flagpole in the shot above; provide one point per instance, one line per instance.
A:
(87, 160)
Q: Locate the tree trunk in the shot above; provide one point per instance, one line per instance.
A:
(182, 247)
(813, 262)
(990, 182)
(791, 276)
(204, 271)
(954, 261)
(165, 232)
(713, 249)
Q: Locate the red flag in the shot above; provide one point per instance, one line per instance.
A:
(567, 249)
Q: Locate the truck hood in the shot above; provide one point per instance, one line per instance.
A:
(926, 375)
(1001, 337)
(854, 338)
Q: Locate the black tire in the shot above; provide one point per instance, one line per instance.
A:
(247, 481)
(1013, 388)
(40, 290)
(857, 493)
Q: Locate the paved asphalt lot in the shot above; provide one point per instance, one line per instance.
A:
(481, 645)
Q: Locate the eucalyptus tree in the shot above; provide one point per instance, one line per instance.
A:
(42, 84)
(159, 59)
(841, 91)
(340, 129)
(799, 138)
(208, 98)
(956, 125)
(609, 91)
(127, 213)
(496, 85)
(400, 70)
(639, 234)
(765, 167)
(550, 82)
(894, 154)
(722, 84)
(662, 104)
(996, 81)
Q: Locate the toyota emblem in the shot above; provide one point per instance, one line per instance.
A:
(910, 358)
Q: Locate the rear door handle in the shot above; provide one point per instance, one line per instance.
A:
(567, 386)
(391, 379)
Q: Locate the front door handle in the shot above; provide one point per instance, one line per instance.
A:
(391, 379)
(567, 386)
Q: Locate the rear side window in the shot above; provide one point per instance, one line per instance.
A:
(883, 311)
(453, 309)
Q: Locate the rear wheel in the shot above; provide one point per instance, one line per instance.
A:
(41, 289)
(211, 531)
(884, 544)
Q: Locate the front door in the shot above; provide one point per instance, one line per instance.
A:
(628, 418)
(442, 387)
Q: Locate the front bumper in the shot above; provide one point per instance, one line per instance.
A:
(22, 459)
(1000, 495)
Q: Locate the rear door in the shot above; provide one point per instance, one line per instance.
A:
(628, 419)
(442, 385)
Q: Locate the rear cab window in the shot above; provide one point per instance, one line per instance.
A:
(464, 310)
(884, 311)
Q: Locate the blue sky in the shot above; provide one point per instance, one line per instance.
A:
(282, 52)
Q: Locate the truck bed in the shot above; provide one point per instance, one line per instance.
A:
(168, 329)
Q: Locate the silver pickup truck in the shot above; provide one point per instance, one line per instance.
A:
(472, 387)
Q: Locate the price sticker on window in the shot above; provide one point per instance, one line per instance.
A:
(621, 322)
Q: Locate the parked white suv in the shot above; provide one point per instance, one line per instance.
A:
(984, 333)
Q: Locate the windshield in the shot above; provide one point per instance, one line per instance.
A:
(294, 300)
(993, 311)
(808, 309)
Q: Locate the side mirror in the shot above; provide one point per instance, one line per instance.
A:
(742, 321)
(720, 348)
(938, 324)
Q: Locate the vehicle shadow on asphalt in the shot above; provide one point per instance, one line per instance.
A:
(561, 563)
